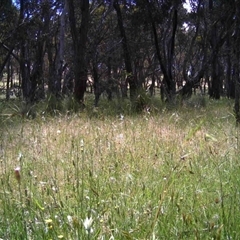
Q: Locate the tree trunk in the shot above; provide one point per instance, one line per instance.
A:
(96, 85)
(110, 81)
(79, 37)
(8, 80)
(60, 54)
(131, 80)
(236, 65)
(55, 59)
(152, 86)
(229, 81)
(237, 95)
(166, 67)
(25, 70)
(195, 77)
(215, 81)
(24, 62)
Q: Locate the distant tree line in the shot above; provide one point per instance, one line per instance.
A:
(64, 47)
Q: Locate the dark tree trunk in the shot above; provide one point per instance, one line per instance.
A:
(56, 66)
(152, 86)
(79, 37)
(5, 61)
(96, 85)
(237, 95)
(131, 80)
(171, 83)
(214, 89)
(194, 78)
(8, 81)
(68, 81)
(110, 87)
(166, 66)
(60, 66)
(236, 65)
(31, 60)
(36, 77)
(215, 79)
(229, 81)
(51, 69)
(25, 71)
(24, 62)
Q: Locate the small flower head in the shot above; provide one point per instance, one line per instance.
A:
(48, 221)
(70, 219)
(121, 117)
(81, 145)
(87, 223)
(20, 156)
(17, 174)
(48, 225)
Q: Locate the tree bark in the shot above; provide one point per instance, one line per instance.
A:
(131, 79)
(217, 38)
(236, 65)
(79, 37)
(24, 62)
(56, 64)
(229, 81)
(166, 67)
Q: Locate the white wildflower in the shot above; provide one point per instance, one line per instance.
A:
(70, 220)
(20, 155)
(129, 177)
(112, 237)
(81, 145)
(120, 138)
(87, 223)
(112, 179)
(121, 117)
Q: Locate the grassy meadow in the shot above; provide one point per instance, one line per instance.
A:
(171, 173)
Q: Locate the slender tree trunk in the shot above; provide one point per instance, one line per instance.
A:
(236, 65)
(195, 78)
(152, 86)
(54, 58)
(229, 81)
(237, 95)
(8, 80)
(166, 67)
(60, 53)
(109, 79)
(6, 60)
(215, 83)
(131, 79)
(172, 84)
(96, 85)
(24, 61)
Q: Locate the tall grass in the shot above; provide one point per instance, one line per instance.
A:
(165, 174)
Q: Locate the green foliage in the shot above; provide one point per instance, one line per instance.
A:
(53, 104)
(70, 105)
(196, 101)
(142, 101)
